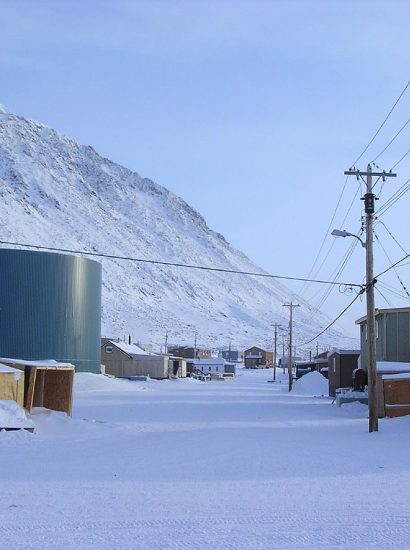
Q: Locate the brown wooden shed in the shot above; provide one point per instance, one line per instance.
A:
(396, 388)
(47, 384)
(393, 394)
(341, 364)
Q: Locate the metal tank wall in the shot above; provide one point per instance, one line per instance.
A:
(50, 308)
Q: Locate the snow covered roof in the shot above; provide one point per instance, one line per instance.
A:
(8, 370)
(399, 376)
(50, 363)
(130, 349)
(344, 351)
(218, 361)
(382, 312)
(392, 366)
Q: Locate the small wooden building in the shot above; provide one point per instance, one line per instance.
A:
(188, 352)
(11, 384)
(127, 360)
(396, 389)
(393, 388)
(256, 358)
(341, 364)
(47, 384)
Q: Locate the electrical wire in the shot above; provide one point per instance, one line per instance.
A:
(326, 235)
(394, 291)
(393, 199)
(392, 140)
(316, 273)
(334, 320)
(395, 270)
(383, 296)
(392, 266)
(381, 125)
(174, 264)
(337, 271)
(399, 161)
(392, 236)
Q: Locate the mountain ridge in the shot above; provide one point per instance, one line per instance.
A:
(58, 193)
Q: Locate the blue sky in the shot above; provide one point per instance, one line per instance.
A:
(249, 110)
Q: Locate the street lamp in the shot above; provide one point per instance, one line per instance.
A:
(343, 233)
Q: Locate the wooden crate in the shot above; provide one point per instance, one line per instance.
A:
(396, 396)
(47, 385)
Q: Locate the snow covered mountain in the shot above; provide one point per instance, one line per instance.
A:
(57, 193)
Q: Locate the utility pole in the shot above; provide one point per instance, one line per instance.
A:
(290, 306)
(195, 357)
(166, 342)
(276, 325)
(369, 208)
(283, 352)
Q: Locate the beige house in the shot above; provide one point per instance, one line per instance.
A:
(127, 360)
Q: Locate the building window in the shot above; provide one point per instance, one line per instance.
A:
(216, 369)
(108, 349)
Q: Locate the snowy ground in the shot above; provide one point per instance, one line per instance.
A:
(185, 464)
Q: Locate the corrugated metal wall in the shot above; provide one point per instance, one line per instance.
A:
(50, 308)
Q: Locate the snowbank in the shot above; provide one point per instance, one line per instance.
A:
(13, 416)
(312, 383)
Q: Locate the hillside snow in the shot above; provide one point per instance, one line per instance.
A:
(57, 193)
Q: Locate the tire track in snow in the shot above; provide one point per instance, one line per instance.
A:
(267, 532)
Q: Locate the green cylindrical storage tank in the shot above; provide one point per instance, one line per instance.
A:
(50, 308)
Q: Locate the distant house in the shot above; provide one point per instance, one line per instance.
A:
(233, 356)
(255, 358)
(392, 336)
(283, 361)
(210, 366)
(188, 352)
(321, 360)
(127, 360)
(341, 363)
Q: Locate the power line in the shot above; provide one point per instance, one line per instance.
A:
(392, 236)
(394, 198)
(392, 290)
(175, 264)
(316, 273)
(337, 318)
(395, 270)
(392, 266)
(400, 159)
(326, 234)
(381, 125)
(392, 140)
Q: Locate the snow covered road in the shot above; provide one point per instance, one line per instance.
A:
(184, 464)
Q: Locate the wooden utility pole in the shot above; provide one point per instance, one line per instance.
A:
(290, 360)
(283, 352)
(369, 199)
(276, 325)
